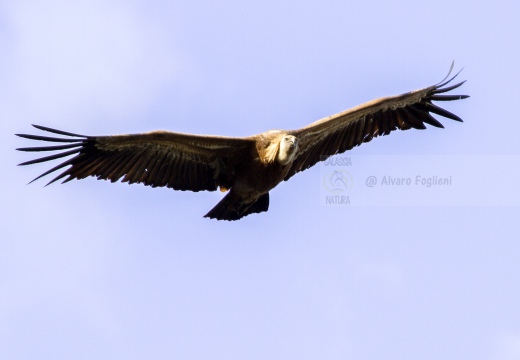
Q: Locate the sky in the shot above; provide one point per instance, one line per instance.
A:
(91, 269)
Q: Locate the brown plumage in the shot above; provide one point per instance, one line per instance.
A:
(249, 167)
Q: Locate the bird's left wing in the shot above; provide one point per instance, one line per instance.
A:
(158, 158)
(341, 132)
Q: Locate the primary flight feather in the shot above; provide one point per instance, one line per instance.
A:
(248, 167)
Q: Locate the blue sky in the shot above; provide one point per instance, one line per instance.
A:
(98, 270)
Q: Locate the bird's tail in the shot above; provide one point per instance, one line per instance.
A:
(230, 208)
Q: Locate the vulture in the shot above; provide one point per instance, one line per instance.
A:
(246, 167)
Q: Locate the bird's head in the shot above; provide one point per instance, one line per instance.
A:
(287, 150)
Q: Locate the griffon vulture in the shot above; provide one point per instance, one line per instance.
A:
(250, 166)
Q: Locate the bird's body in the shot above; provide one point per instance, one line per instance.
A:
(263, 167)
(248, 167)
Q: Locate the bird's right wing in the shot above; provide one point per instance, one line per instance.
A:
(158, 158)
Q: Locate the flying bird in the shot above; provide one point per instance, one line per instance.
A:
(247, 167)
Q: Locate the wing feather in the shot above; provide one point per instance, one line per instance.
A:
(341, 132)
(159, 158)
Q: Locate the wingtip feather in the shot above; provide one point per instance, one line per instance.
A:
(56, 131)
